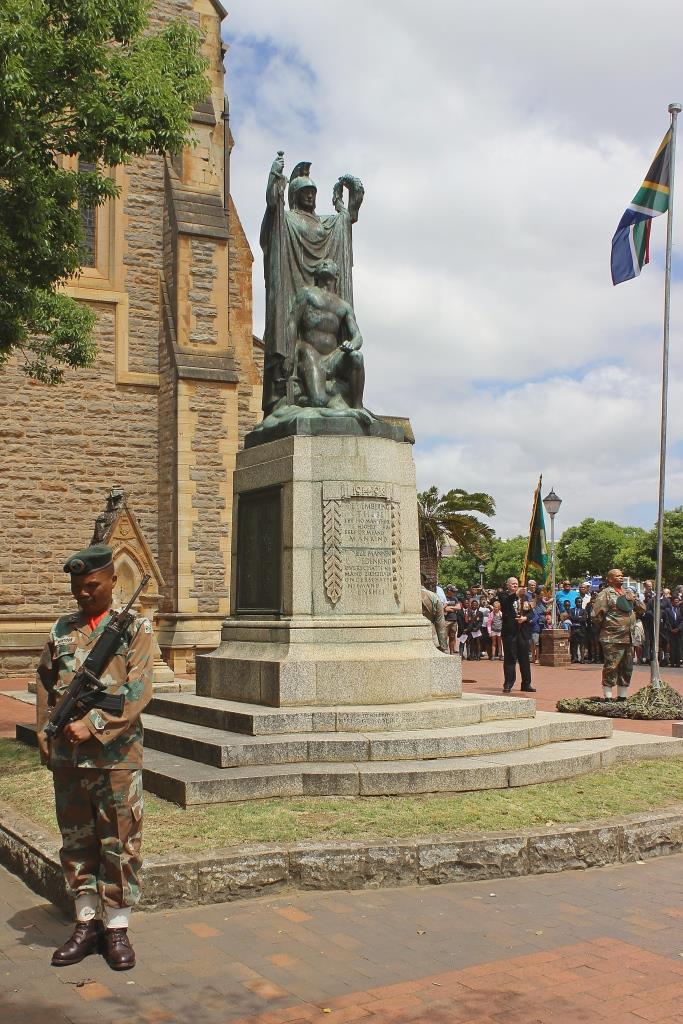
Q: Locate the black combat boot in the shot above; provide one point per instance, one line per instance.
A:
(86, 939)
(118, 951)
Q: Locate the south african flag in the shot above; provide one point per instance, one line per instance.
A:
(631, 242)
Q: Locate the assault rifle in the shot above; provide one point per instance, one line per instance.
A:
(86, 689)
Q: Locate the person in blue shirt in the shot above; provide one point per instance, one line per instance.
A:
(566, 593)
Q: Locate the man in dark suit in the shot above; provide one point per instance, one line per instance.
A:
(516, 634)
(648, 619)
(674, 617)
(577, 637)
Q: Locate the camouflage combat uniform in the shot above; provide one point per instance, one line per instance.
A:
(617, 636)
(432, 609)
(98, 783)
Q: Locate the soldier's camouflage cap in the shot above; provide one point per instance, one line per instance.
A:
(99, 556)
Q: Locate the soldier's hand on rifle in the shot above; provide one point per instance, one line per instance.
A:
(76, 732)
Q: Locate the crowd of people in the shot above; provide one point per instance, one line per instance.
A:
(506, 625)
(471, 624)
(473, 621)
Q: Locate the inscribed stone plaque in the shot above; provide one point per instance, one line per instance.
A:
(259, 551)
(362, 546)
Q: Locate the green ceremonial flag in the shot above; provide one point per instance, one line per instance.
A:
(536, 561)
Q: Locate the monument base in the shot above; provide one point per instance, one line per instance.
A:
(315, 662)
(326, 606)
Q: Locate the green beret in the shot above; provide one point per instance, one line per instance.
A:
(99, 556)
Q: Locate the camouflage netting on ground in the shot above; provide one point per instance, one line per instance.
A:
(663, 703)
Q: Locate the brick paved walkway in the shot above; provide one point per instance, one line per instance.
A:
(553, 684)
(13, 711)
(599, 946)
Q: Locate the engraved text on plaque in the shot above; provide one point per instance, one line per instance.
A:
(362, 545)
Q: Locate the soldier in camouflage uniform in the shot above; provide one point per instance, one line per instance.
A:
(96, 763)
(614, 612)
(432, 609)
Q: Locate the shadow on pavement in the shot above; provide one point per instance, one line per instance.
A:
(44, 925)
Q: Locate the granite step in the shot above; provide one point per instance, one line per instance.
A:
(176, 687)
(258, 720)
(189, 783)
(224, 749)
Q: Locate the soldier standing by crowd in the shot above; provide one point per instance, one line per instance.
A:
(614, 612)
(432, 609)
(96, 763)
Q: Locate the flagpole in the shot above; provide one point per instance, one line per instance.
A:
(674, 110)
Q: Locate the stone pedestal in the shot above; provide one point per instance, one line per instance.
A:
(325, 595)
(555, 648)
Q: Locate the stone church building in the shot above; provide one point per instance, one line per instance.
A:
(162, 414)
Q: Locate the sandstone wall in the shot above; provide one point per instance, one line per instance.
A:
(162, 413)
(62, 449)
(248, 356)
(142, 259)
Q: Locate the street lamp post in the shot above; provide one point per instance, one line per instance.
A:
(552, 503)
(481, 575)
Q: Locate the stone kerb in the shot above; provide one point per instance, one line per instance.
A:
(223, 875)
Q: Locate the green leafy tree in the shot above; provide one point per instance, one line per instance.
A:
(83, 78)
(597, 545)
(462, 568)
(451, 515)
(507, 559)
(672, 554)
(644, 550)
(634, 557)
(500, 558)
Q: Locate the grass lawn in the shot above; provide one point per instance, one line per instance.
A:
(639, 786)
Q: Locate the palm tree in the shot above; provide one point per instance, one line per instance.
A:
(450, 516)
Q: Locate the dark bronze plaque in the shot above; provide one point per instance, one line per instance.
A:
(259, 552)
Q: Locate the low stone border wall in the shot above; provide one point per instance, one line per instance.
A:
(222, 875)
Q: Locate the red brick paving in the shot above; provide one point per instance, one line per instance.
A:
(549, 949)
(14, 711)
(553, 684)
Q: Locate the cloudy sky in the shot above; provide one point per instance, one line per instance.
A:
(499, 144)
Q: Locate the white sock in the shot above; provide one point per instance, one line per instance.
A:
(86, 906)
(116, 917)
(622, 691)
(607, 692)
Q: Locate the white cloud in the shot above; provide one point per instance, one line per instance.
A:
(592, 438)
(499, 145)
